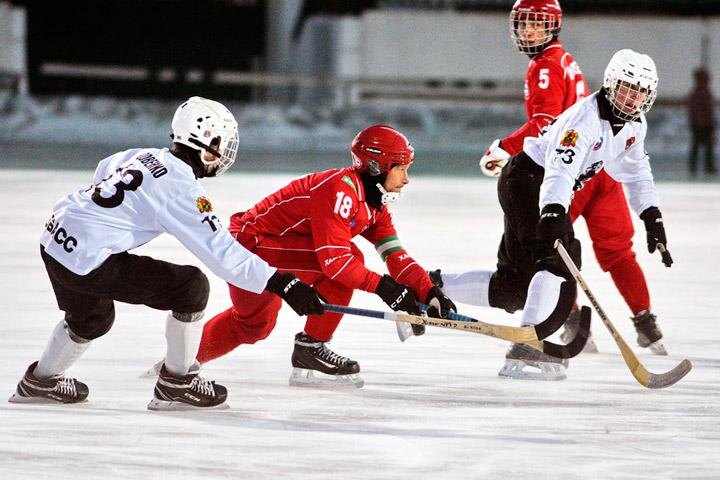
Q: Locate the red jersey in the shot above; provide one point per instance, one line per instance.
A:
(553, 83)
(331, 208)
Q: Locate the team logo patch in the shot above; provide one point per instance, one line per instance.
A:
(629, 142)
(204, 205)
(598, 145)
(349, 181)
(570, 138)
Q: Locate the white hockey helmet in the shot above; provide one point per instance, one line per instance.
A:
(631, 82)
(208, 126)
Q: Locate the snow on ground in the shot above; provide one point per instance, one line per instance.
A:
(432, 407)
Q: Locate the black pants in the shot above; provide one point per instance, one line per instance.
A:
(702, 137)
(520, 254)
(87, 300)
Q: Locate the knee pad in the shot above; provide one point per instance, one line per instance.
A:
(507, 292)
(89, 328)
(195, 293)
(249, 333)
(188, 317)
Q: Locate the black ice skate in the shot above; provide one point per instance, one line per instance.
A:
(57, 389)
(524, 362)
(186, 392)
(649, 335)
(314, 364)
(572, 325)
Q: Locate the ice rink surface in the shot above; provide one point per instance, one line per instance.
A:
(432, 407)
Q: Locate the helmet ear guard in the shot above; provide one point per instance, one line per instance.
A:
(379, 148)
(209, 126)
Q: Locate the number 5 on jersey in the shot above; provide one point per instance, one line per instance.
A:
(343, 205)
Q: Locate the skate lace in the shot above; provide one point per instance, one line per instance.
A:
(66, 386)
(332, 357)
(206, 387)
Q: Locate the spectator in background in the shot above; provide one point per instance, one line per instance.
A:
(702, 121)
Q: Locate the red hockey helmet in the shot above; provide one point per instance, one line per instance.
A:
(534, 23)
(379, 148)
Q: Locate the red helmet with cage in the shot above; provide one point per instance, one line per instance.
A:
(534, 23)
(379, 148)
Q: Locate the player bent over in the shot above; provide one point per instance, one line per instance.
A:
(137, 195)
(605, 131)
(307, 228)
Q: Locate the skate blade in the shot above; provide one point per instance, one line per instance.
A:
(158, 405)
(590, 346)
(17, 398)
(301, 377)
(153, 372)
(657, 348)
(544, 371)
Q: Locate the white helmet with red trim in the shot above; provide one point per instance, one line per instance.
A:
(208, 126)
(534, 24)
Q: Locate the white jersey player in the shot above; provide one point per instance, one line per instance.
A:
(580, 143)
(137, 195)
(604, 131)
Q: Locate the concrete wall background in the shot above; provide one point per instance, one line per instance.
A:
(452, 45)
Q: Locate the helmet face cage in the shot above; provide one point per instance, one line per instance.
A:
(630, 82)
(629, 101)
(228, 154)
(532, 30)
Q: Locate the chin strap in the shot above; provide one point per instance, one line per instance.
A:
(387, 197)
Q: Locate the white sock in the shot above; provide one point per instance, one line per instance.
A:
(62, 351)
(470, 288)
(543, 295)
(183, 341)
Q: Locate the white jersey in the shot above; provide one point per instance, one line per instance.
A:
(578, 144)
(136, 196)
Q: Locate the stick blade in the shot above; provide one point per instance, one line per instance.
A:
(576, 345)
(568, 293)
(662, 380)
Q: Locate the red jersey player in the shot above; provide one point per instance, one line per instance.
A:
(307, 228)
(554, 82)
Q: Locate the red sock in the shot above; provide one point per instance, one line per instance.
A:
(218, 337)
(630, 281)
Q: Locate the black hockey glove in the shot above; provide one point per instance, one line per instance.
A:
(440, 304)
(553, 224)
(301, 297)
(655, 230)
(397, 296)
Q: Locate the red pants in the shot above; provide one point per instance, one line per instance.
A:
(603, 205)
(252, 316)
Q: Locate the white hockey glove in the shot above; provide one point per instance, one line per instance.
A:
(494, 159)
